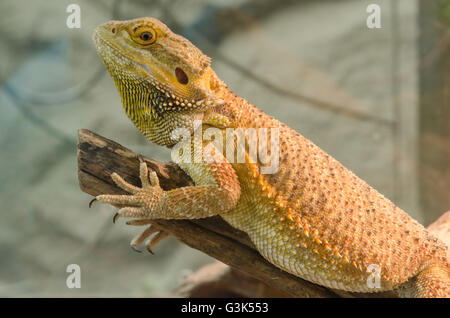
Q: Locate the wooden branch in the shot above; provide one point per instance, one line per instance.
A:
(220, 280)
(98, 157)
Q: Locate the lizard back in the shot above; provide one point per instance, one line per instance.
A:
(318, 220)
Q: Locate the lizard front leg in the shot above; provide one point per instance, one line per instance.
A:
(217, 191)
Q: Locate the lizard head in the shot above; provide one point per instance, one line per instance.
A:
(163, 78)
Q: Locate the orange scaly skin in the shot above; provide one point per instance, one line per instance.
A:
(313, 217)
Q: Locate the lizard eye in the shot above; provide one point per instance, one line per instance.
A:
(145, 36)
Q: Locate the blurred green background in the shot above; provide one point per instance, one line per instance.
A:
(376, 99)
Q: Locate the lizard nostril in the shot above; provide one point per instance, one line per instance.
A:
(113, 30)
(181, 76)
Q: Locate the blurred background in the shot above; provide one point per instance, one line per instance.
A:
(378, 100)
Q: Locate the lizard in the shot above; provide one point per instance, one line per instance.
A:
(311, 217)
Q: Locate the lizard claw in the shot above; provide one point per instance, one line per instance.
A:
(128, 212)
(161, 235)
(136, 241)
(91, 203)
(135, 249)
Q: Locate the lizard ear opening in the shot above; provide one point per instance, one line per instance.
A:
(181, 76)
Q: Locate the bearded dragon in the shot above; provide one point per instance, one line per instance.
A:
(311, 217)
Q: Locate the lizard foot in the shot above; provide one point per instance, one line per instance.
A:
(141, 202)
(138, 205)
(135, 242)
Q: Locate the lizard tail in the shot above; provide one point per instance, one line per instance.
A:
(432, 282)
